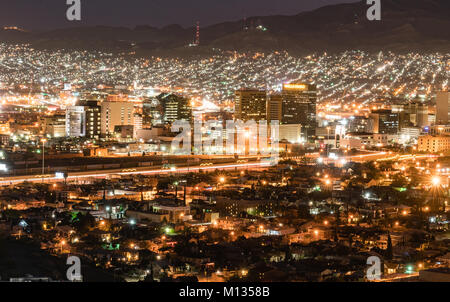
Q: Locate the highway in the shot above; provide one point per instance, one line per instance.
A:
(373, 156)
(251, 162)
(6, 181)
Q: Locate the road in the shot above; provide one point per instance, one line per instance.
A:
(373, 156)
(252, 162)
(6, 181)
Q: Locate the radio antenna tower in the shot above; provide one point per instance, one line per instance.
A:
(197, 34)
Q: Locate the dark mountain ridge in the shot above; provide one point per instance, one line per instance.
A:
(406, 25)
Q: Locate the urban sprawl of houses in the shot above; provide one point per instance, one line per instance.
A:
(88, 167)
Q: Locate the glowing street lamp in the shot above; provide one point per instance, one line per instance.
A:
(63, 242)
(221, 180)
(436, 181)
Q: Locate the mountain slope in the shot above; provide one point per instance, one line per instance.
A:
(406, 25)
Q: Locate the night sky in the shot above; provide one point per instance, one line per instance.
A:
(49, 14)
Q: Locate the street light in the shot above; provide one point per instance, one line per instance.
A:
(436, 181)
(63, 242)
(43, 141)
(436, 193)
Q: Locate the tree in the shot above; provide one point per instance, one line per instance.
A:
(83, 223)
(338, 221)
(389, 253)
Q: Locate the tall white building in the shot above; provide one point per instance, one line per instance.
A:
(83, 120)
(75, 121)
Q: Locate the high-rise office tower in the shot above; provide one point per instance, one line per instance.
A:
(385, 121)
(442, 107)
(83, 120)
(250, 104)
(115, 114)
(75, 121)
(93, 119)
(173, 107)
(151, 114)
(299, 107)
(414, 114)
(274, 107)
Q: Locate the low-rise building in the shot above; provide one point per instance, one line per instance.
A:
(434, 144)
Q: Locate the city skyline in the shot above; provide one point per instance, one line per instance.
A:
(247, 156)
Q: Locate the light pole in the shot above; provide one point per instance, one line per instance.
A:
(43, 157)
(335, 138)
(328, 137)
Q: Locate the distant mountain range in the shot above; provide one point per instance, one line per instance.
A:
(406, 25)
